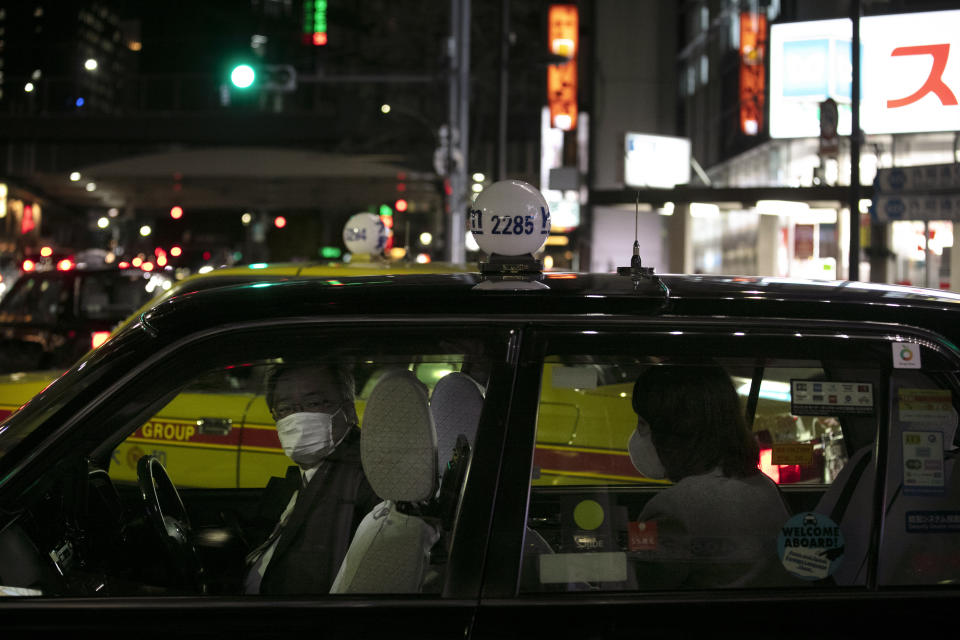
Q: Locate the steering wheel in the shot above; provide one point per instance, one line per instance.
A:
(168, 518)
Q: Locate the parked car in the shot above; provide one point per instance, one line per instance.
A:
(529, 486)
(48, 319)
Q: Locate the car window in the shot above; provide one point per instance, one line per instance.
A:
(257, 464)
(35, 299)
(635, 483)
(114, 295)
(921, 531)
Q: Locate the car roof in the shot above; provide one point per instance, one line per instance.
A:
(467, 294)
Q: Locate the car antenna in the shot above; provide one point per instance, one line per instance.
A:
(636, 270)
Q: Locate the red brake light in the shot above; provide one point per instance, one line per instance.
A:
(97, 338)
(123, 265)
(65, 265)
(29, 265)
(766, 465)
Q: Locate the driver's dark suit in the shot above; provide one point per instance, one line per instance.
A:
(315, 536)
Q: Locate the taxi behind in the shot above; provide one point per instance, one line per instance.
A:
(523, 386)
(52, 316)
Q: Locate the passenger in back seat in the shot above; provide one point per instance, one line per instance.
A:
(717, 526)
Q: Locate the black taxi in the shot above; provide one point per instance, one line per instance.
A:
(50, 317)
(531, 477)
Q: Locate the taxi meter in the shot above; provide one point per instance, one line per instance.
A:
(365, 233)
(510, 221)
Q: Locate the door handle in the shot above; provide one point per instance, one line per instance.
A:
(214, 426)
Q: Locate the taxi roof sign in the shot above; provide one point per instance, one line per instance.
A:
(510, 218)
(365, 233)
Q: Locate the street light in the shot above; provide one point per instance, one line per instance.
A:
(90, 64)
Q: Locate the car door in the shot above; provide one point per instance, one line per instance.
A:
(587, 551)
(116, 551)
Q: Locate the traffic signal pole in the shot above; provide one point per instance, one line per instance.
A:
(458, 49)
(853, 272)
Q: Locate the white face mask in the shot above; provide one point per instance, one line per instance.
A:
(307, 437)
(643, 454)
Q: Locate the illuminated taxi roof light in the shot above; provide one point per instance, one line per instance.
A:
(257, 265)
(365, 232)
(510, 218)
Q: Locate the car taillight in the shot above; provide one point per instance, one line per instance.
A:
(97, 338)
(29, 265)
(65, 265)
(766, 465)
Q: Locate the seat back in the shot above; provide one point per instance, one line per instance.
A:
(848, 502)
(456, 403)
(390, 551)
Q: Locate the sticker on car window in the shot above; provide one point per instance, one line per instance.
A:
(792, 453)
(574, 378)
(906, 355)
(923, 462)
(819, 398)
(933, 521)
(810, 546)
(927, 406)
(583, 567)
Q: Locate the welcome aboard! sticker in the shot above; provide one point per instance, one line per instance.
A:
(810, 546)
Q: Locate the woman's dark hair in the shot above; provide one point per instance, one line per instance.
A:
(695, 421)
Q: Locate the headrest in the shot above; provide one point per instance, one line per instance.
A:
(398, 441)
(456, 403)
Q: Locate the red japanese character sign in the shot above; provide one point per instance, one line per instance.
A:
(911, 70)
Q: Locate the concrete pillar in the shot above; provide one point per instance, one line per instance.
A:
(680, 239)
(768, 245)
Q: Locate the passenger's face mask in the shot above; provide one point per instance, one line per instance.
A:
(643, 454)
(307, 437)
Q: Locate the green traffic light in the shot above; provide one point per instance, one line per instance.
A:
(242, 76)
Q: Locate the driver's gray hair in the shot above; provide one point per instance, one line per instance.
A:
(341, 373)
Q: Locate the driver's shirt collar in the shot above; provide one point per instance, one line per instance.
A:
(307, 474)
